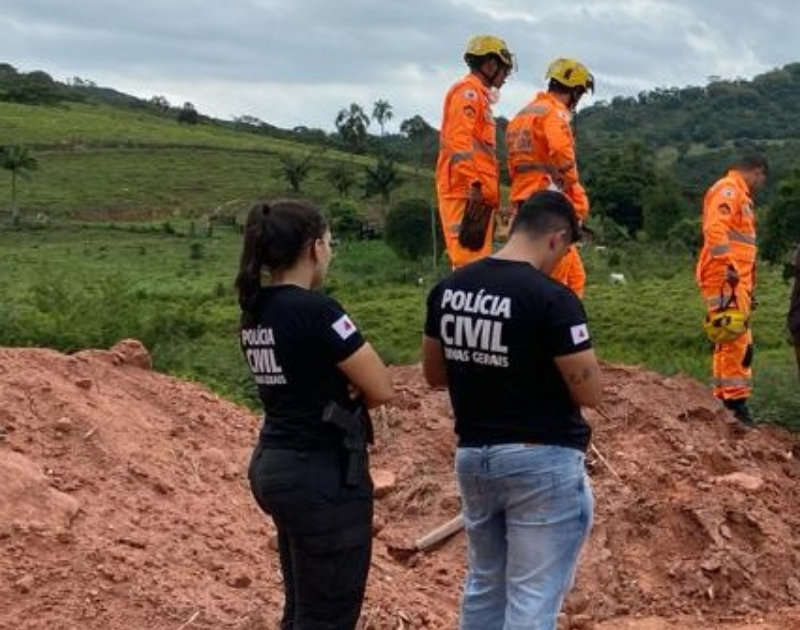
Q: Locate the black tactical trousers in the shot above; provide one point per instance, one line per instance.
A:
(324, 534)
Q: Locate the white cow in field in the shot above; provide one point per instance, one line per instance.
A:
(617, 278)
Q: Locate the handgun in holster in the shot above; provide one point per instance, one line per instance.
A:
(357, 429)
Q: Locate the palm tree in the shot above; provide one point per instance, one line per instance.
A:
(382, 112)
(20, 161)
(295, 170)
(352, 125)
(382, 179)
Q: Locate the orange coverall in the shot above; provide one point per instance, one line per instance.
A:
(541, 155)
(729, 238)
(467, 155)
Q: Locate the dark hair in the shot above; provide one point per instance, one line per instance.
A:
(547, 211)
(474, 62)
(574, 93)
(274, 237)
(752, 162)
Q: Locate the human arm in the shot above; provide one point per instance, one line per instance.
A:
(433, 364)
(462, 110)
(581, 373)
(433, 361)
(718, 208)
(571, 348)
(367, 372)
(561, 149)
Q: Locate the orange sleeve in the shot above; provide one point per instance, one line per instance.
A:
(463, 112)
(717, 211)
(577, 195)
(562, 148)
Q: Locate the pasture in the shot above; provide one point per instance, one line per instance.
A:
(70, 286)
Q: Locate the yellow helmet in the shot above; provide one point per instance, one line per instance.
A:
(482, 45)
(571, 73)
(725, 325)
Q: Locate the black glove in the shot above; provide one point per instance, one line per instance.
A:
(474, 224)
(732, 276)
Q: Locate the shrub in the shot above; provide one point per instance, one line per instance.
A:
(345, 219)
(408, 230)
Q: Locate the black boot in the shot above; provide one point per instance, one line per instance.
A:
(740, 411)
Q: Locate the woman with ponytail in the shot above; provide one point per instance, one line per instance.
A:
(316, 377)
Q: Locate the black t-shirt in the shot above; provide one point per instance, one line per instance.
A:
(793, 316)
(292, 352)
(501, 323)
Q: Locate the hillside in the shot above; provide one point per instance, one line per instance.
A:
(695, 132)
(124, 504)
(105, 155)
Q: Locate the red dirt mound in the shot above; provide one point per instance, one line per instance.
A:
(124, 504)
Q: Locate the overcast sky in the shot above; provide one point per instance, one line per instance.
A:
(298, 62)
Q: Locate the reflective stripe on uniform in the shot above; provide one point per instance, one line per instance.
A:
(716, 301)
(733, 235)
(732, 382)
(534, 110)
(532, 167)
(483, 147)
(719, 250)
(461, 157)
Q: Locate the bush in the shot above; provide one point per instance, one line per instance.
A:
(408, 229)
(345, 219)
(686, 235)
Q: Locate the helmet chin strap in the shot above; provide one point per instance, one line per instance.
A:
(574, 96)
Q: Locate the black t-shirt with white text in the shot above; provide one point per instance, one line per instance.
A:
(292, 351)
(501, 324)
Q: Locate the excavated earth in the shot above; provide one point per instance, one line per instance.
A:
(124, 505)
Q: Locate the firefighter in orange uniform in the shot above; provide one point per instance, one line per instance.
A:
(467, 169)
(727, 264)
(541, 152)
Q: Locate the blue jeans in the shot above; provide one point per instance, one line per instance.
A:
(527, 513)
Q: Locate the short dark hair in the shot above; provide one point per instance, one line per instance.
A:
(547, 211)
(753, 162)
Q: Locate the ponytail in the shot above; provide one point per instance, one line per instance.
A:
(274, 237)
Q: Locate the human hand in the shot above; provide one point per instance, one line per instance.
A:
(475, 194)
(732, 276)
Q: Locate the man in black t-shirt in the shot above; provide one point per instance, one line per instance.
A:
(513, 347)
(793, 316)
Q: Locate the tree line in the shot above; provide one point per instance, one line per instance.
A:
(646, 160)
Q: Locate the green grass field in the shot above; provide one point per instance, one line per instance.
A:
(76, 286)
(114, 244)
(101, 162)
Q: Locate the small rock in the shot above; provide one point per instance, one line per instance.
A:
(64, 425)
(239, 581)
(384, 482)
(132, 352)
(742, 480)
(84, 383)
(25, 583)
(581, 622)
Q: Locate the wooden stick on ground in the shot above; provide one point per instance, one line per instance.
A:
(606, 463)
(440, 533)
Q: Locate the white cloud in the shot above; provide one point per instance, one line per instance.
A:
(299, 62)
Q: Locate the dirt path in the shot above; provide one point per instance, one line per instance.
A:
(123, 504)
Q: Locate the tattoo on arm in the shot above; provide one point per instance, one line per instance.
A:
(579, 378)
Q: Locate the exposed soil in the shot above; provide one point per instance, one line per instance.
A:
(124, 504)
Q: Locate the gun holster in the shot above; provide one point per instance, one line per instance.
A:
(356, 427)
